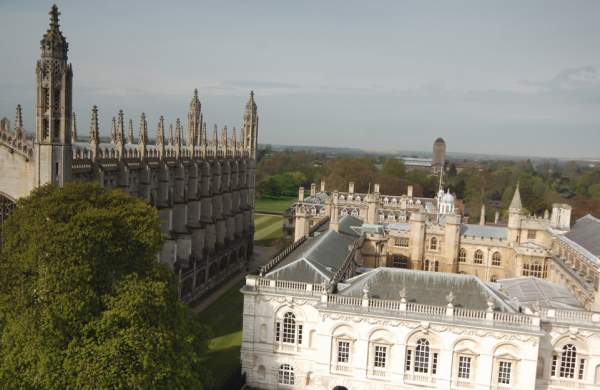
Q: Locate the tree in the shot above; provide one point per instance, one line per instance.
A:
(80, 286)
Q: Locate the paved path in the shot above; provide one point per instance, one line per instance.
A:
(261, 256)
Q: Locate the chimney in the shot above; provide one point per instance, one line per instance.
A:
(376, 188)
(482, 216)
(301, 194)
(313, 189)
(351, 187)
(322, 185)
(409, 191)
(496, 217)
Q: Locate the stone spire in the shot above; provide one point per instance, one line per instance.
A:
(234, 139)
(94, 133)
(120, 136)
(194, 120)
(160, 137)
(215, 142)
(178, 137)
(113, 131)
(143, 141)
(18, 118)
(516, 204)
(204, 138)
(53, 44)
(130, 132)
(171, 140)
(73, 129)
(20, 132)
(251, 127)
(143, 129)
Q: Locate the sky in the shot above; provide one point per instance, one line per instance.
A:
(509, 77)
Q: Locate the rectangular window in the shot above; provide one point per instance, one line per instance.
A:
(464, 367)
(504, 372)
(343, 355)
(402, 242)
(581, 369)
(434, 363)
(277, 327)
(408, 359)
(531, 234)
(299, 334)
(553, 368)
(380, 356)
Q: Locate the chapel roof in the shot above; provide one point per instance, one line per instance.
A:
(586, 233)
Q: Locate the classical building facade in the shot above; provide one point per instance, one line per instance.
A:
(367, 300)
(315, 317)
(202, 185)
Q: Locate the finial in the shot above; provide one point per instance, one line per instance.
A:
(130, 132)
(143, 128)
(54, 14)
(195, 93)
(120, 127)
(178, 131)
(74, 128)
(251, 94)
(94, 125)
(171, 139)
(160, 132)
(450, 297)
(18, 118)
(365, 292)
(113, 131)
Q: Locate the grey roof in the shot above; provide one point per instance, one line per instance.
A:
(533, 291)
(349, 225)
(317, 198)
(317, 259)
(586, 233)
(430, 288)
(485, 231)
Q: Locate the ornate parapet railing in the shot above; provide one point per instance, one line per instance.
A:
(397, 308)
(570, 317)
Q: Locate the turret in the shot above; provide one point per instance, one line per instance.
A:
(514, 217)
(120, 134)
(178, 138)
(160, 137)
(143, 140)
(113, 131)
(251, 127)
(54, 78)
(194, 121)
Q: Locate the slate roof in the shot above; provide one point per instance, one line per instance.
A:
(486, 231)
(430, 288)
(586, 233)
(316, 260)
(532, 291)
(317, 198)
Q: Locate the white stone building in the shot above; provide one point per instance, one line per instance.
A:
(314, 319)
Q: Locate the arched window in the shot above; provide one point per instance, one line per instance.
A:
(422, 356)
(286, 375)
(568, 361)
(436, 266)
(478, 259)
(462, 255)
(288, 331)
(433, 244)
(496, 259)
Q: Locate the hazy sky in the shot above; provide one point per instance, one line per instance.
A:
(505, 77)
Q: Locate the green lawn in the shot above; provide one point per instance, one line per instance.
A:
(274, 205)
(267, 228)
(224, 318)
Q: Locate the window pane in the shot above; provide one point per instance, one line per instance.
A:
(380, 356)
(464, 367)
(504, 371)
(343, 352)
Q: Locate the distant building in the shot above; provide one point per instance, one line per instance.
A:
(439, 156)
(412, 163)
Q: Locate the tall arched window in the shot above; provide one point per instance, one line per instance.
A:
(568, 361)
(288, 331)
(478, 259)
(496, 259)
(462, 255)
(433, 244)
(286, 375)
(422, 356)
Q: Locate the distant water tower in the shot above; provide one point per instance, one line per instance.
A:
(439, 156)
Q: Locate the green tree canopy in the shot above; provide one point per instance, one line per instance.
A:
(83, 302)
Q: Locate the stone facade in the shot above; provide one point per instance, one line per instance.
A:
(203, 186)
(428, 234)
